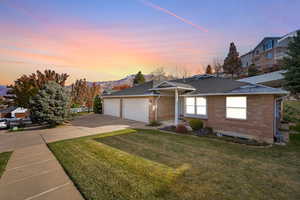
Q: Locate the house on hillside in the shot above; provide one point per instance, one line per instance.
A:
(272, 79)
(14, 112)
(230, 107)
(266, 56)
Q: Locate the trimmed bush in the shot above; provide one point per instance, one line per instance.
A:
(180, 128)
(297, 127)
(196, 124)
(209, 130)
(154, 123)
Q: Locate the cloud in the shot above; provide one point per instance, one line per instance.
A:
(152, 5)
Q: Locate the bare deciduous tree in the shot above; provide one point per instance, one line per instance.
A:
(217, 66)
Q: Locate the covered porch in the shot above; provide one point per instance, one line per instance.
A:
(174, 90)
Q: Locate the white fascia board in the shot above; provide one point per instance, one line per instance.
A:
(242, 93)
(141, 95)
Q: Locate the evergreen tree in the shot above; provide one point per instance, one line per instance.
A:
(232, 63)
(291, 63)
(139, 78)
(98, 105)
(208, 70)
(252, 70)
(50, 104)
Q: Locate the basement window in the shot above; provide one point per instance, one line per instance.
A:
(236, 107)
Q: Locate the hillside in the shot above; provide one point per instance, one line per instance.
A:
(128, 80)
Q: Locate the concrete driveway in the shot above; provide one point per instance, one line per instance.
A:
(33, 172)
(85, 125)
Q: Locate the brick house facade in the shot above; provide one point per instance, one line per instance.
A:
(167, 102)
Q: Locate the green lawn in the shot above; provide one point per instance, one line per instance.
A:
(4, 157)
(148, 164)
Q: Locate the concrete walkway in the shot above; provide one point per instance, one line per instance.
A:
(33, 173)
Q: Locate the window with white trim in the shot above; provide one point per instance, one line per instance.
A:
(190, 105)
(236, 107)
(195, 105)
(201, 105)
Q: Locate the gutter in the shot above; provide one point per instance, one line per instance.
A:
(138, 95)
(240, 93)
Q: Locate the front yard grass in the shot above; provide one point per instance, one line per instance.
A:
(148, 164)
(4, 157)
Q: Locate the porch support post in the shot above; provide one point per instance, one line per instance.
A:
(176, 107)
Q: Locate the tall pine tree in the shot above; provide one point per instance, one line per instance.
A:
(98, 105)
(139, 78)
(291, 63)
(232, 63)
(208, 70)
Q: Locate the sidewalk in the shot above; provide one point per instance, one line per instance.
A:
(34, 173)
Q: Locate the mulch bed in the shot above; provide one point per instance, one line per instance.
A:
(208, 133)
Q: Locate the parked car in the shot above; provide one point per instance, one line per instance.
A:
(17, 122)
(3, 124)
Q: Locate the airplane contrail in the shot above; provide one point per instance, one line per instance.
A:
(152, 5)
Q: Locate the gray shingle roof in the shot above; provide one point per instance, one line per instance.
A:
(166, 84)
(211, 84)
(8, 110)
(206, 85)
(142, 89)
(263, 78)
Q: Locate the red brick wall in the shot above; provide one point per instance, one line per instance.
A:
(259, 122)
(165, 108)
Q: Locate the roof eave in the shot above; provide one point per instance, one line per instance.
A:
(235, 93)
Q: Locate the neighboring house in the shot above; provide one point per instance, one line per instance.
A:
(14, 112)
(228, 106)
(272, 79)
(266, 56)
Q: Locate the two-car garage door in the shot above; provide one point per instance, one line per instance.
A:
(132, 108)
(136, 109)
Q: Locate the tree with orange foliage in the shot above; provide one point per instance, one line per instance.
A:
(27, 86)
(92, 92)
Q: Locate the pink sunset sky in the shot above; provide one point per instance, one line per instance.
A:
(107, 40)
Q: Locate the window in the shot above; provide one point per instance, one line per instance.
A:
(190, 105)
(195, 105)
(236, 107)
(269, 55)
(201, 106)
(268, 45)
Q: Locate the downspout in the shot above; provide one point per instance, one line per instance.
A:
(156, 107)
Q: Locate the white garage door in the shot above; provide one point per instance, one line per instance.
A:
(136, 109)
(112, 107)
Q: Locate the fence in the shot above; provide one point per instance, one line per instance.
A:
(81, 109)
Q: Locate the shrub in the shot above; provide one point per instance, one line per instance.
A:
(180, 128)
(97, 105)
(209, 130)
(196, 124)
(297, 127)
(154, 123)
